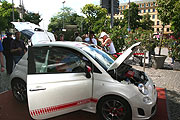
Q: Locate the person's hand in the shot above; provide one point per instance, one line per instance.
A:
(2, 69)
(19, 49)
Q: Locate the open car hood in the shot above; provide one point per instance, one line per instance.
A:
(34, 32)
(126, 55)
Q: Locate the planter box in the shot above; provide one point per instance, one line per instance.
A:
(176, 65)
(158, 61)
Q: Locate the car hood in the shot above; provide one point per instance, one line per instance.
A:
(126, 55)
(34, 32)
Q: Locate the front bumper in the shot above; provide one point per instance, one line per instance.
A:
(144, 110)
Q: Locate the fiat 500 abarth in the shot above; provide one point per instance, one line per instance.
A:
(63, 77)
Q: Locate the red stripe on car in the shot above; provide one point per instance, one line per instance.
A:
(47, 110)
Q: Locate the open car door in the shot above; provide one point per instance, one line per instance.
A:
(57, 82)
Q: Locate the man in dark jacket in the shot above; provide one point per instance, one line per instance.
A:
(18, 48)
(9, 58)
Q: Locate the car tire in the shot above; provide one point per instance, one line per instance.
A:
(114, 108)
(19, 90)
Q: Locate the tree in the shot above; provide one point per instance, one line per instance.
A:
(66, 16)
(175, 21)
(6, 16)
(95, 16)
(32, 17)
(165, 13)
(146, 22)
(134, 17)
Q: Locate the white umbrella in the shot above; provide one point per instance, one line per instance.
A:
(34, 32)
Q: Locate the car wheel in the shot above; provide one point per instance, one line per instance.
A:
(19, 90)
(114, 108)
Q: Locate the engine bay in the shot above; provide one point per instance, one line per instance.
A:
(126, 73)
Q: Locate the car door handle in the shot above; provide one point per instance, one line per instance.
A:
(37, 89)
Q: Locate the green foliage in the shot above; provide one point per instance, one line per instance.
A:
(134, 17)
(143, 36)
(6, 15)
(174, 48)
(117, 36)
(95, 16)
(175, 22)
(32, 17)
(69, 18)
(165, 10)
(146, 22)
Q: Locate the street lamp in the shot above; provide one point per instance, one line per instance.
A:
(129, 29)
(13, 10)
(63, 16)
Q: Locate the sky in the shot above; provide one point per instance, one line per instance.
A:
(50, 8)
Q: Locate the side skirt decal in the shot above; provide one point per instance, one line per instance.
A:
(50, 109)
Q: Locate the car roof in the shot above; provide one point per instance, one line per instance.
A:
(69, 44)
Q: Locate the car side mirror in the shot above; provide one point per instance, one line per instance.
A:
(88, 71)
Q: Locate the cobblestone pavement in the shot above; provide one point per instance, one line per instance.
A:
(170, 80)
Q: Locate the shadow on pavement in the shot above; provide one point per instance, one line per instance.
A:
(173, 102)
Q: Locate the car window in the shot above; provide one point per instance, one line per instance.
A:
(55, 60)
(101, 57)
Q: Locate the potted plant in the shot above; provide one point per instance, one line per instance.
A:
(159, 59)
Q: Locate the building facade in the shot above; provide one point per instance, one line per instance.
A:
(146, 6)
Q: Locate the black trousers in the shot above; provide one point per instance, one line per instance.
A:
(9, 63)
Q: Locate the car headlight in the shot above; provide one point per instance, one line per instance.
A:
(143, 89)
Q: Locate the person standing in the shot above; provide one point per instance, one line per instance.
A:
(8, 55)
(1, 58)
(61, 37)
(107, 43)
(18, 48)
(91, 39)
(77, 37)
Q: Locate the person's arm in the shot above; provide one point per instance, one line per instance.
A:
(2, 62)
(16, 49)
(108, 40)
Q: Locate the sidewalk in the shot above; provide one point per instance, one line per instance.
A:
(168, 79)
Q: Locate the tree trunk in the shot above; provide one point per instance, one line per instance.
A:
(161, 39)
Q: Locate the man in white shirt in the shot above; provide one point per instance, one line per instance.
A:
(78, 38)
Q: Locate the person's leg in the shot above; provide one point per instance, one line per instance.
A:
(9, 64)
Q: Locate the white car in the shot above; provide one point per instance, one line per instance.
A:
(63, 77)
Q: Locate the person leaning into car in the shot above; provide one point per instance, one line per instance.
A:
(18, 48)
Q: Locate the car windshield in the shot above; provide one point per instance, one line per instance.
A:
(100, 56)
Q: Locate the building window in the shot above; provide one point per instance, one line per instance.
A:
(154, 3)
(149, 10)
(167, 29)
(139, 11)
(149, 4)
(124, 7)
(157, 29)
(140, 5)
(157, 22)
(144, 4)
(153, 17)
(153, 10)
(144, 11)
(121, 7)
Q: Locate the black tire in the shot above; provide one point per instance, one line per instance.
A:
(114, 108)
(19, 90)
